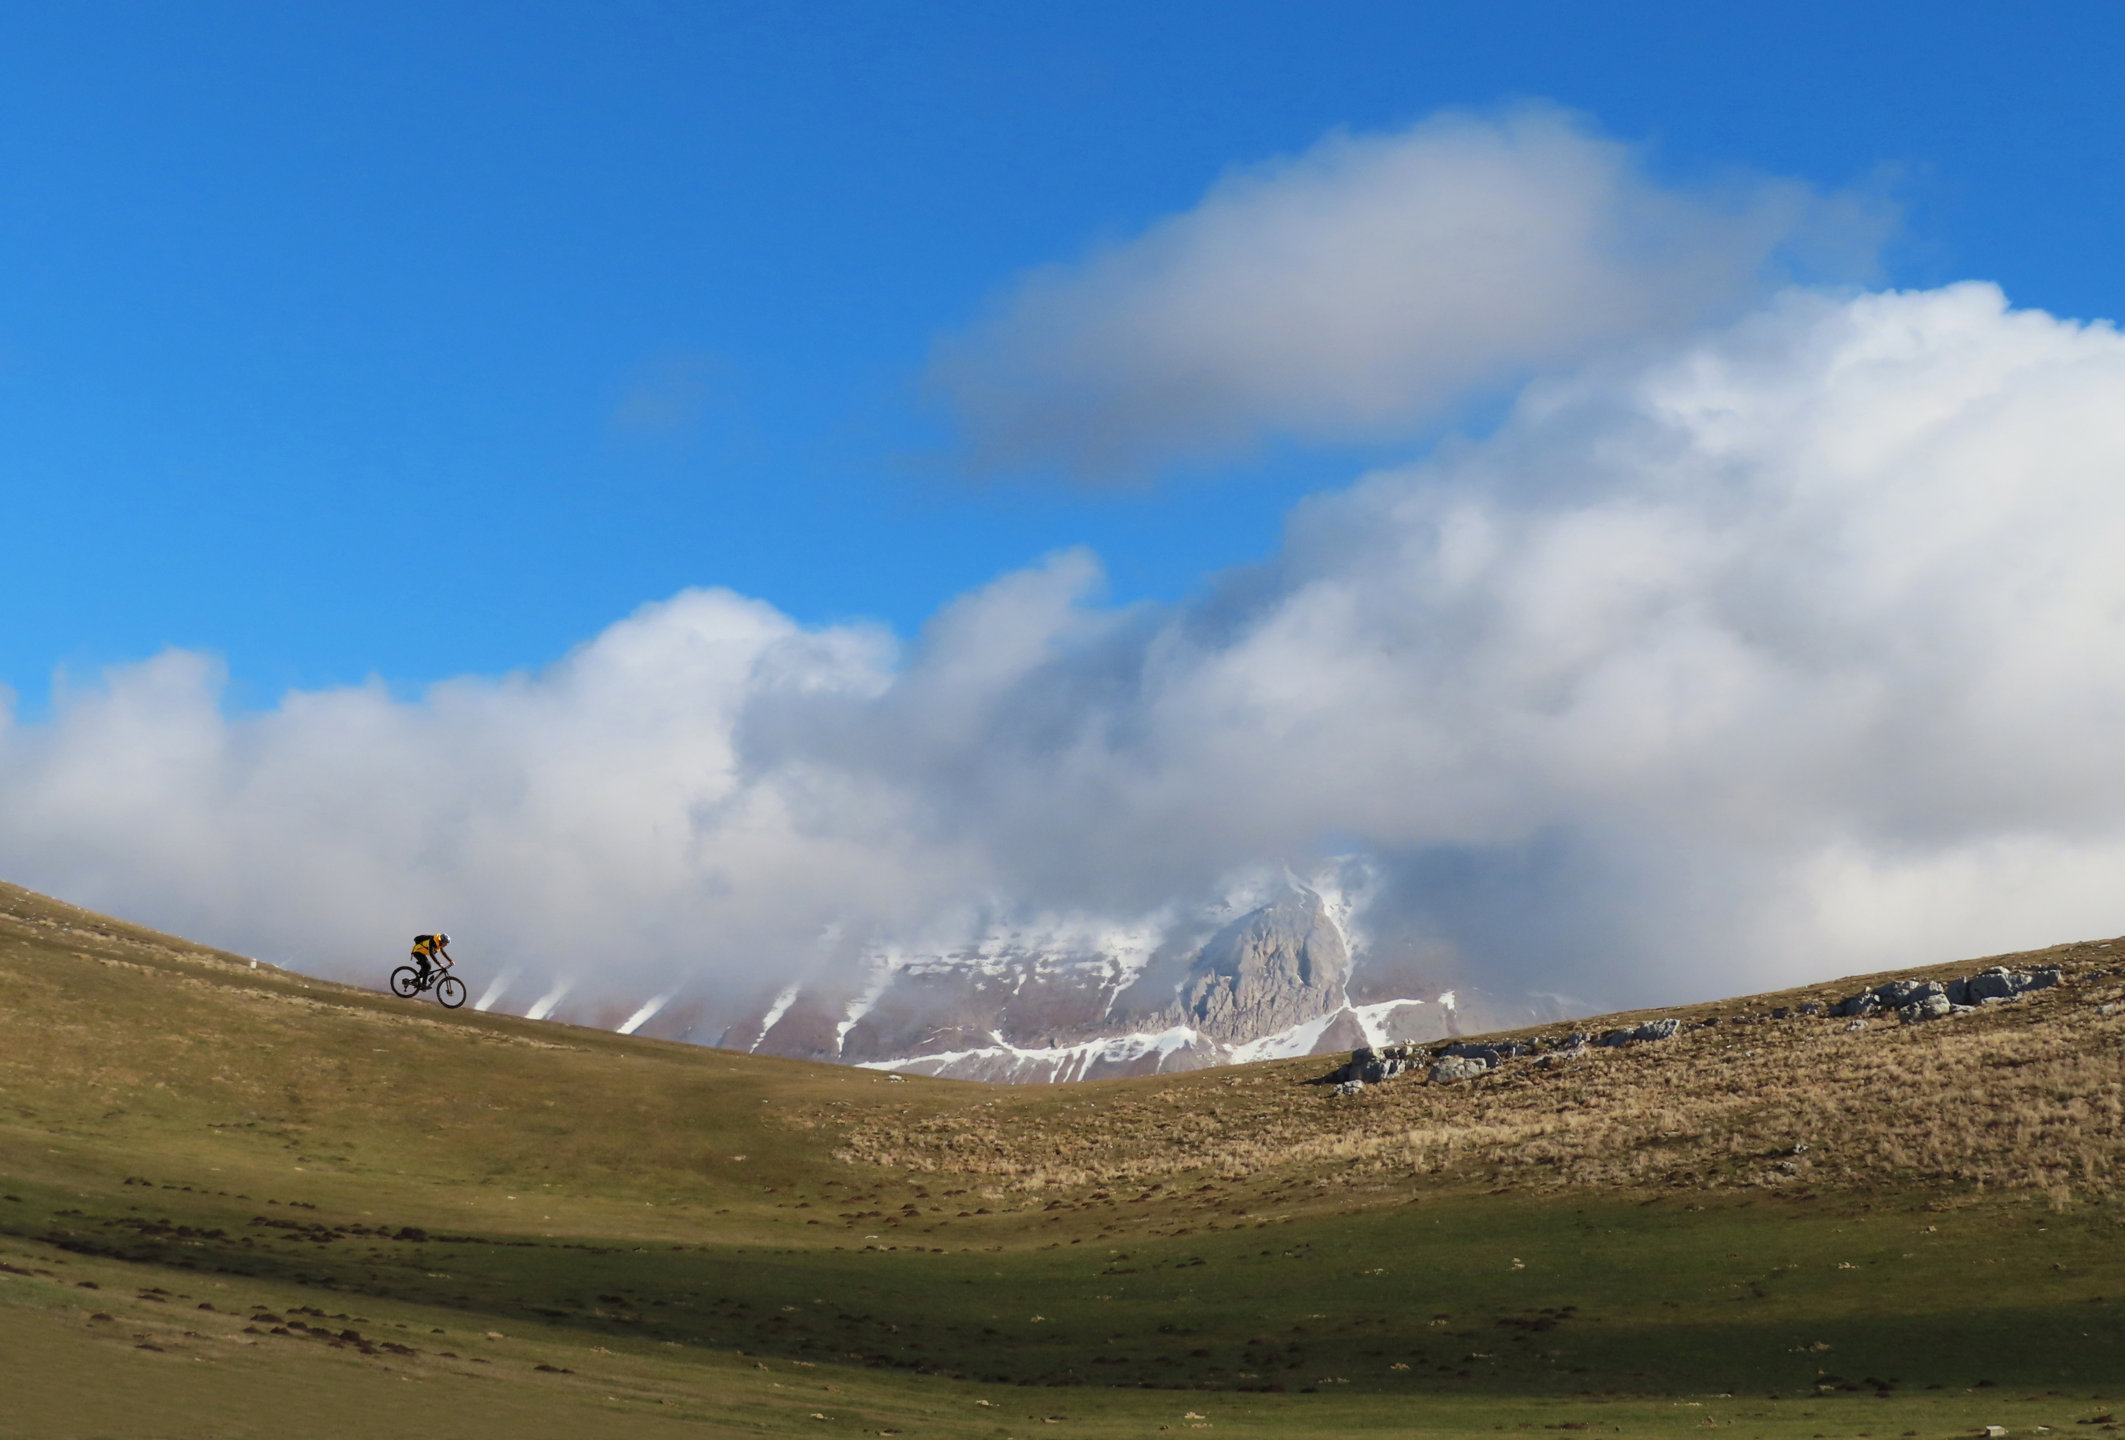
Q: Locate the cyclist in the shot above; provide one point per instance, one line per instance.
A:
(427, 949)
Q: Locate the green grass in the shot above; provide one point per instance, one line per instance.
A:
(684, 1238)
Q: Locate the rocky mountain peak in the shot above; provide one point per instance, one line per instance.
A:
(1268, 970)
(1080, 998)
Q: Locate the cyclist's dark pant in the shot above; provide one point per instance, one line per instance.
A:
(424, 962)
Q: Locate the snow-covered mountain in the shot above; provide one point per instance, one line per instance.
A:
(1267, 977)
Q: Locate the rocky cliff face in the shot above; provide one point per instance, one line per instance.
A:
(1285, 964)
(1039, 1005)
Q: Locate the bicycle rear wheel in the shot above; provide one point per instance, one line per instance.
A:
(451, 991)
(405, 982)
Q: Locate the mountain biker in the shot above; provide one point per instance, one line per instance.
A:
(427, 949)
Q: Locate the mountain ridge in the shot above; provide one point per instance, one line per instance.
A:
(1270, 982)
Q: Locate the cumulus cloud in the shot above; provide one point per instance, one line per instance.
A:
(1796, 649)
(1355, 290)
(591, 821)
(1755, 661)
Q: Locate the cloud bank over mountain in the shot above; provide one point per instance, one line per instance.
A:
(1800, 649)
(1740, 654)
(1356, 290)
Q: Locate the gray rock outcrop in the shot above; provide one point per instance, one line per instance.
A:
(1459, 1067)
(1665, 1029)
(1369, 1066)
(1269, 970)
(1467, 1059)
(2000, 983)
(1491, 1052)
(1916, 1001)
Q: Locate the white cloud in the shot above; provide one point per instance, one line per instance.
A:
(1797, 650)
(1353, 291)
(589, 821)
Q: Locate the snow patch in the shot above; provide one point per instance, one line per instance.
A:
(1372, 1019)
(1065, 1062)
(775, 1012)
(1046, 943)
(881, 976)
(494, 991)
(641, 1017)
(543, 1006)
(1295, 1040)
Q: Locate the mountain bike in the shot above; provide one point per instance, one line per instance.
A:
(406, 982)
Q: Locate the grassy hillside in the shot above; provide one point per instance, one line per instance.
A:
(242, 1202)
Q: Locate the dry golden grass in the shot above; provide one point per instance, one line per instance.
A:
(2028, 1097)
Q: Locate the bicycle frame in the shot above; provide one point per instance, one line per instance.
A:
(407, 981)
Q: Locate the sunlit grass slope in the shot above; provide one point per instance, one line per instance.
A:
(240, 1202)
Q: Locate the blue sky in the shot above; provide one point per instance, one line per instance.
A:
(420, 340)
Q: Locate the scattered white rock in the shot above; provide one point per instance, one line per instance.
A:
(1650, 1030)
(1916, 1001)
(1459, 1067)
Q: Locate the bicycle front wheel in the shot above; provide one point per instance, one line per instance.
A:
(405, 982)
(451, 991)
